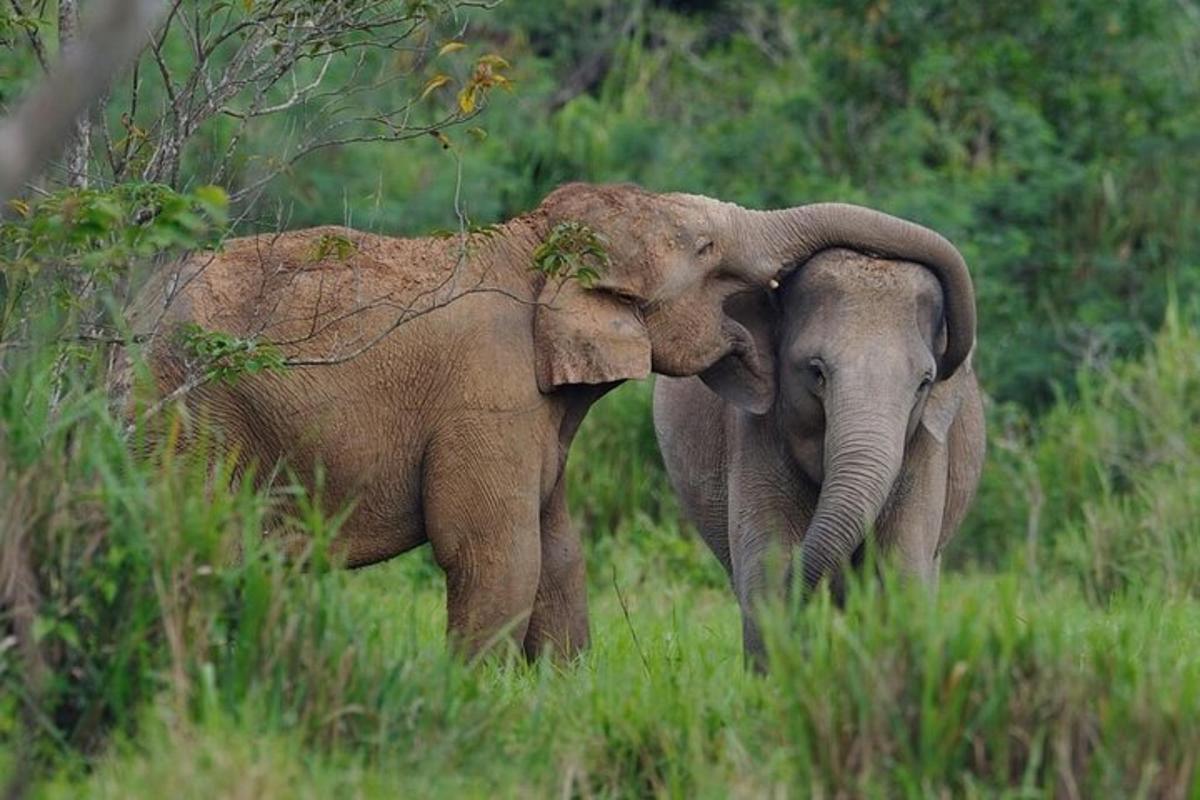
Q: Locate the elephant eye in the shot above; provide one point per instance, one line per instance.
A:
(704, 247)
(626, 297)
(926, 382)
(816, 374)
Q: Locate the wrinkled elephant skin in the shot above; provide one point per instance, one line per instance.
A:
(437, 384)
(862, 426)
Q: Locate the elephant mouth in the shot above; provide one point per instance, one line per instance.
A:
(743, 370)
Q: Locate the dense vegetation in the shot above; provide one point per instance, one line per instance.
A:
(1057, 143)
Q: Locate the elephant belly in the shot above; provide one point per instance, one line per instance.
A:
(359, 457)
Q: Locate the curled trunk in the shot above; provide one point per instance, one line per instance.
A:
(791, 236)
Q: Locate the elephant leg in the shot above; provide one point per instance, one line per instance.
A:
(770, 506)
(481, 514)
(911, 525)
(560, 618)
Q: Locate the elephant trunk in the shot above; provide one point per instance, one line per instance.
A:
(863, 453)
(794, 235)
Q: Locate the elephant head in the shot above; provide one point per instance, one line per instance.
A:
(674, 261)
(859, 347)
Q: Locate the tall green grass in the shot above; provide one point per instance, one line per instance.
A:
(989, 689)
(151, 643)
(1102, 488)
(136, 577)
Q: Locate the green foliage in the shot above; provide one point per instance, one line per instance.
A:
(147, 578)
(1102, 487)
(227, 357)
(64, 251)
(114, 557)
(103, 233)
(990, 689)
(332, 245)
(572, 250)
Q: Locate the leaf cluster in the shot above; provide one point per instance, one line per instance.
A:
(104, 231)
(335, 245)
(572, 250)
(225, 357)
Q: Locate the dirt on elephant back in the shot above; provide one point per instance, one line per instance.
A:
(407, 265)
(323, 290)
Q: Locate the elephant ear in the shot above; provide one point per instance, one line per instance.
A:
(746, 377)
(585, 335)
(943, 404)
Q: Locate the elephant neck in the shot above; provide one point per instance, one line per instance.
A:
(509, 250)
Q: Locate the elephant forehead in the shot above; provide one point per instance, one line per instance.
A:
(855, 272)
(695, 211)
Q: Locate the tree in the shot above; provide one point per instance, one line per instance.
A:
(36, 130)
(137, 181)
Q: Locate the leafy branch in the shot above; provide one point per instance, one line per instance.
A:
(572, 250)
(226, 357)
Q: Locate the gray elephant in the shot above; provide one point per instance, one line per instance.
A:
(438, 384)
(870, 414)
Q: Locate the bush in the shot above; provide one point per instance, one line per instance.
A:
(990, 689)
(1101, 488)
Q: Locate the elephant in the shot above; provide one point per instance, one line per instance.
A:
(436, 383)
(868, 418)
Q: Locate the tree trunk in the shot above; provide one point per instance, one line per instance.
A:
(75, 158)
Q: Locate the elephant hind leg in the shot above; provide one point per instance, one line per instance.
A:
(481, 516)
(559, 621)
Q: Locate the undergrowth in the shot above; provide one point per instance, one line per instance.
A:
(152, 639)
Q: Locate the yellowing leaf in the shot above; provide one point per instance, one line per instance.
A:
(494, 61)
(466, 99)
(442, 138)
(479, 133)
(433, 83)
(451, 47)
(19, 206)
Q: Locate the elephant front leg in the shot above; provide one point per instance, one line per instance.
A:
(481, 514)
(769, 509)
(911, 526)
(559, 622)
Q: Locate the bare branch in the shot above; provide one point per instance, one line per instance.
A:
(298, 94)
(35, 39)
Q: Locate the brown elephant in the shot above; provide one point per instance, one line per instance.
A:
(438, 386)
(870, 418)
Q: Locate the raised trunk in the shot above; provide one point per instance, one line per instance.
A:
(791, 236)
(863, 452)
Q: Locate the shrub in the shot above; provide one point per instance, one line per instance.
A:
(1101, 488)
